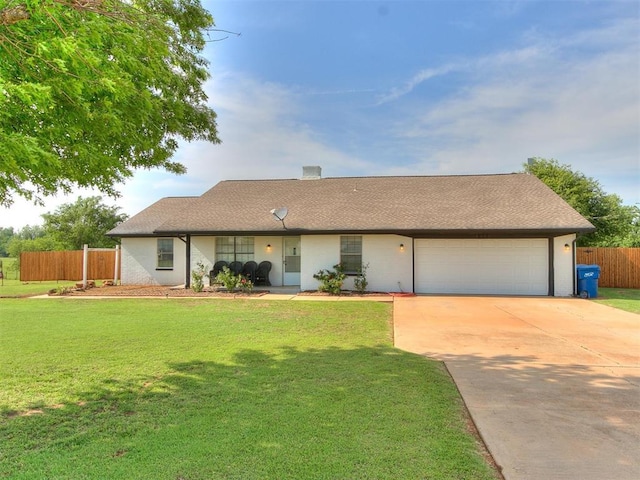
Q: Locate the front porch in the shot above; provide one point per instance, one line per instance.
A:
(282, 253)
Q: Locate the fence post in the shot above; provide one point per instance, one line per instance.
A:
(85, 261)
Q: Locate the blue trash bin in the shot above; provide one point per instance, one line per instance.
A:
(587, 276)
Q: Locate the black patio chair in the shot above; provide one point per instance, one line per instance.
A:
(217, 268)
(235, 267)
(262, 273)
(249, 270)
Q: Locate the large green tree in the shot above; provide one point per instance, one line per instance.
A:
(91, 90)
(86, 221)
(616, 224)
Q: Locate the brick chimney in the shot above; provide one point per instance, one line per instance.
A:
(311, 173)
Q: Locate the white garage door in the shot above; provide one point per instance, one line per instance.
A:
(482, 266)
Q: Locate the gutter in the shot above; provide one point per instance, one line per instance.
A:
(413, 233)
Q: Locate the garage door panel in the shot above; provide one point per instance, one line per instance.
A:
(482, 266)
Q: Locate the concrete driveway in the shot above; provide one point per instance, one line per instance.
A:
(552, 384)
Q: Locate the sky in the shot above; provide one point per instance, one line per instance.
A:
(394, 87)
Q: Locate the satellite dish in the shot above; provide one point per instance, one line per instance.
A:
(279, 214)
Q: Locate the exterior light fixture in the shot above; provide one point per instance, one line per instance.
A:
(268, 247)
(402, 247)
(567, 247)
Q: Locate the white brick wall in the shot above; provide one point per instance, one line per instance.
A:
(390, 269)
(388, 265)
(139, 260)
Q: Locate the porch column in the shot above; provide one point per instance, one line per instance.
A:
(187, 280)
(552, 288)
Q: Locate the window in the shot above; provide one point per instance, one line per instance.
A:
(231, 249)
(165, 254)
(351, 254)
(225, 248)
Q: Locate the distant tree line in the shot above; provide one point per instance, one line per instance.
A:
(71, 226)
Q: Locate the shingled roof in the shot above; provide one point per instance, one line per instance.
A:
(153, 217)
(505, 204)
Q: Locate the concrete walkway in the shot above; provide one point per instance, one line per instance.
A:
(268, 296)
(553, 385)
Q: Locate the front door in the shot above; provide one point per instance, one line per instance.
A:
(291, 261)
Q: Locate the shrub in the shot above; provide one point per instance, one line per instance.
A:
(360, 283)
(331, 280)
(197, 277)
(231, 282)
(228, 279)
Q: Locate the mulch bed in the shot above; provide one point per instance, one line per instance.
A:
(164, 291)
(344, 293)
(154, 291)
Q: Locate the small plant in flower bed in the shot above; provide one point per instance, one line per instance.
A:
(61, 290)
(360, 283)
(197, 277)
(231, 282)
(331, 280)
(245, 285)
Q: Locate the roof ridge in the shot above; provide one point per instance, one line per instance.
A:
(453, 175)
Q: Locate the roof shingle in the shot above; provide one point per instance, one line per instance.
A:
(410, 205)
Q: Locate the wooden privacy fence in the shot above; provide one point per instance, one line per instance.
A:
(619, 267)
(67, 265)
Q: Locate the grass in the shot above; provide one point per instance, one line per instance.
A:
(222, 389)
(9, 269)
(623, 298)
(16, 288)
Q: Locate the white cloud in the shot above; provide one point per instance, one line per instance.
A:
(262, 135)
(262, 138)
(574, 99)
(419, 78)
(23, 212)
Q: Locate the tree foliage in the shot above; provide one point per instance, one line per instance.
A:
(86, 221)
(18, 245)
(31, 238)
(71, 226)
(6, 233)
(30, 232)
(617, 225)
(91, 90)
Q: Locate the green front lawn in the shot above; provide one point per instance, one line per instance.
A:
(16, 288)
(623, 298)
(222, 389)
